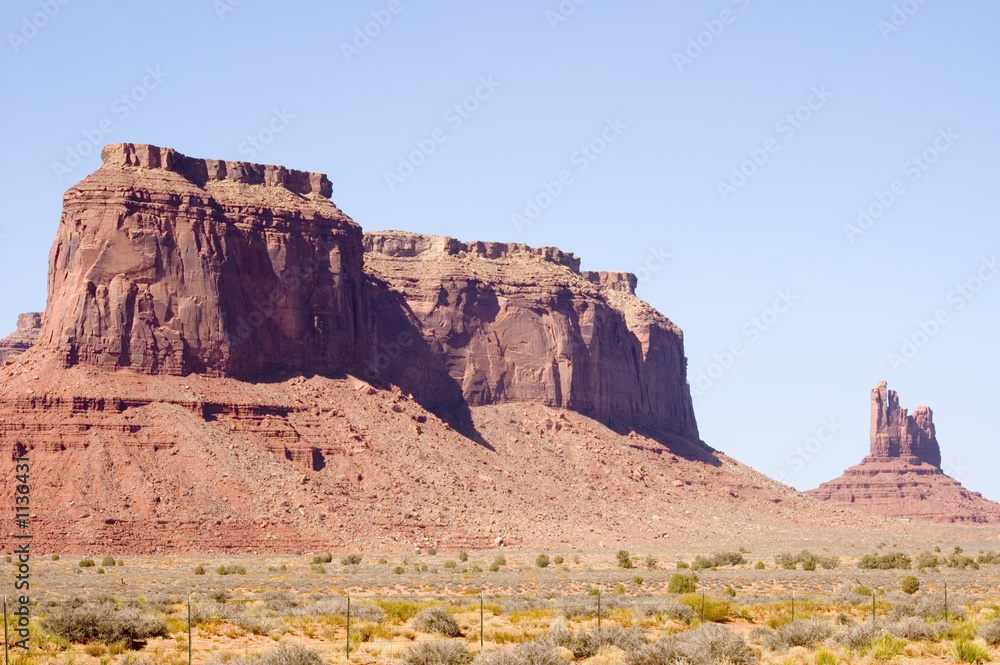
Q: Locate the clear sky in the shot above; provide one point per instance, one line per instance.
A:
(720, 149)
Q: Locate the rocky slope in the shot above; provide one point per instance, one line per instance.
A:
(28, 327)
(902, 475)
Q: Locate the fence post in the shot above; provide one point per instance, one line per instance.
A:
(703, 605)
(6, 647)
(189, 628)
(480, 620)
(348, 625)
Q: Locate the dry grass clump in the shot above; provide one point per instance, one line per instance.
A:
(437, 653)
(105, 622)
(538, 652)
(436, 620)
(586, 643)
(707, 644)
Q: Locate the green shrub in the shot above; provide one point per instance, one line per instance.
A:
(760, 565)
(494, 567)
(728, 559)
(558, 560)
(624, 560)
(682, 583)
(884, 647)
(87, 563)
(326, 557)
(910, 584)
(701, 563)
(399, 570)
(731, 592)
(682, 565)
(542, 561)
(450, 564)
(500, 560)
(398, 611)
(108, 561)
(715, 609)
(436, 620)
(825, 657)
(651, 562)
(431, 551)
(437, 653)
(637, 580)
(463, 557)
(100, 571)
(350, 560)
(199, 569)
(895, 560)
(55, 557)
(970, 652)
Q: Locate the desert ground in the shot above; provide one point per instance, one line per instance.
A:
(748, 605)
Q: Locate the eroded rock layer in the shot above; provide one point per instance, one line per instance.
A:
(901, 477)
(511, 323)
(165, 264)
(22, 339)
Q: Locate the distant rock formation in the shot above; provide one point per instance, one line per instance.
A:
(28, 327)
(901, 477)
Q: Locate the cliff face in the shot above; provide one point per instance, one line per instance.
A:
(511, 323)
(902, 476)
(170, 265)
(22, 339)
(197, 358)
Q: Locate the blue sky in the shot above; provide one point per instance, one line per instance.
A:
(720, 149)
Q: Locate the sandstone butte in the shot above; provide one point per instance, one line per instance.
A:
(227, 363)
(902, 475)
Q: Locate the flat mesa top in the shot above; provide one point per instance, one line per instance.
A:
(201, 171)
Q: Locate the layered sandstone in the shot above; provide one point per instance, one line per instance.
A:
(511, 323)
(901, 477)
(28, 327)
(192, 388)
(165, 264)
